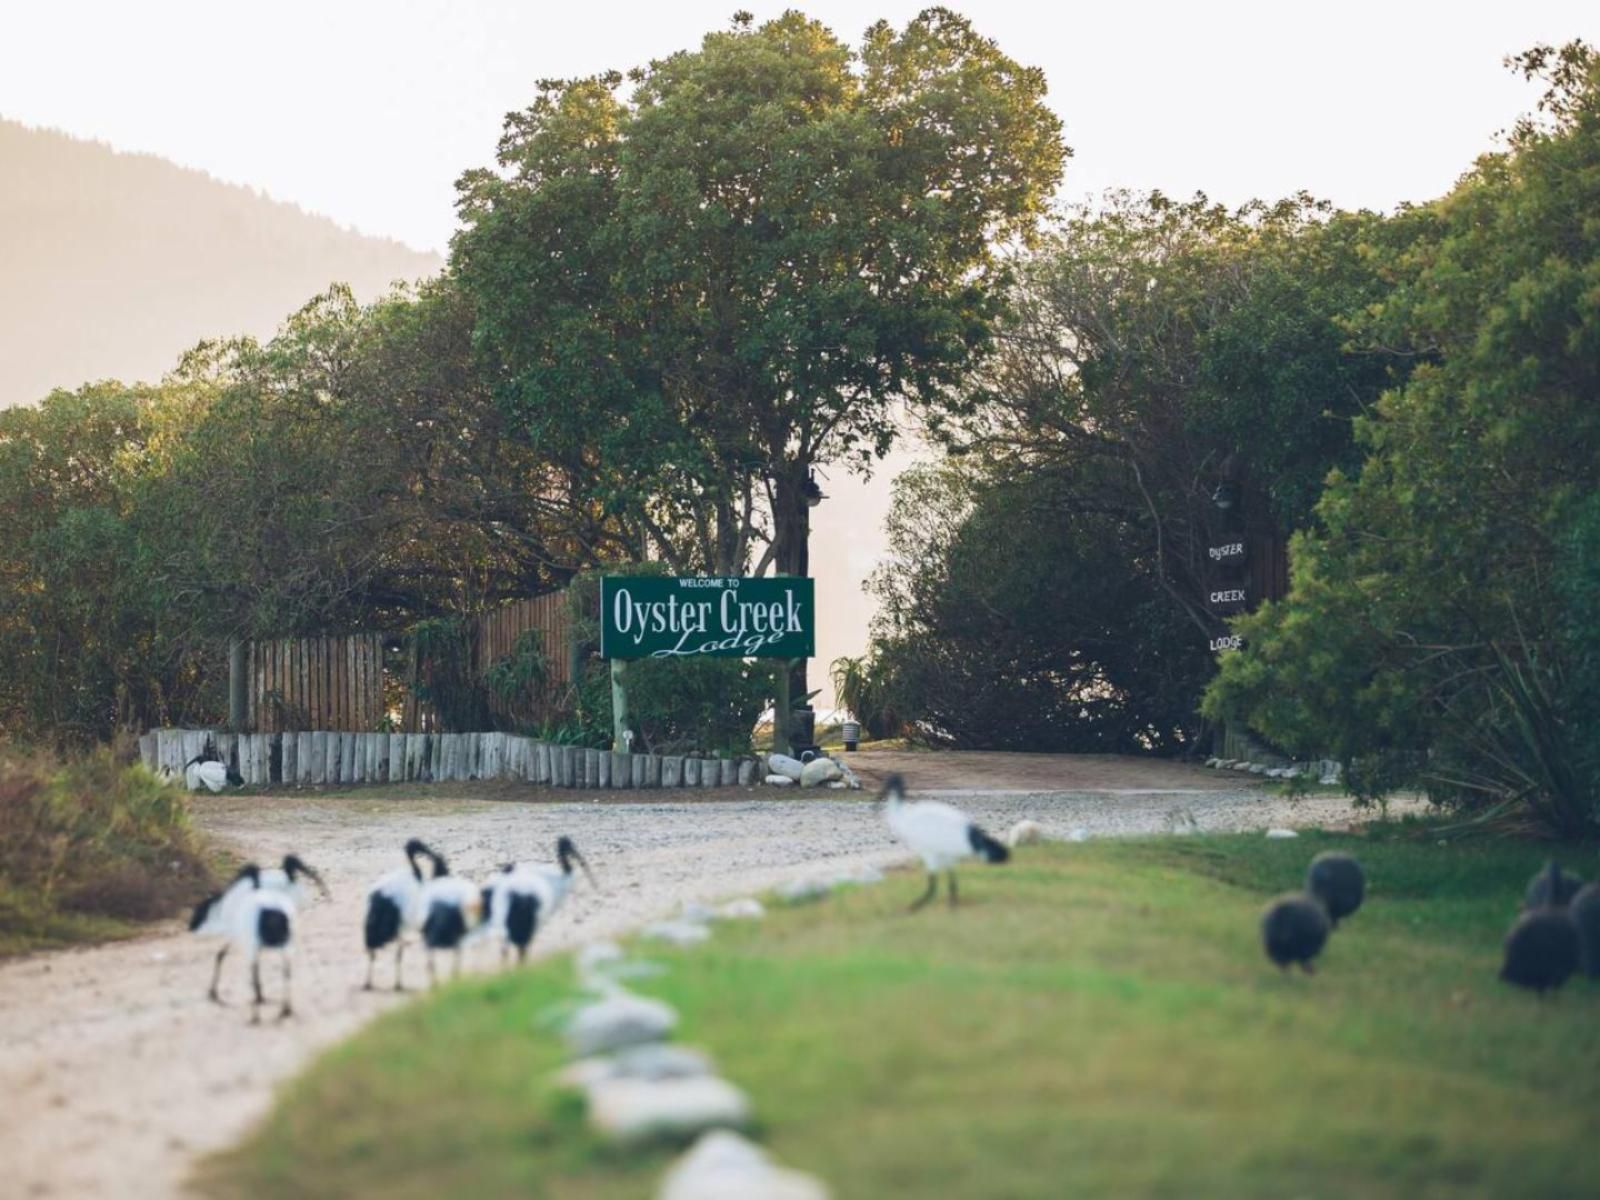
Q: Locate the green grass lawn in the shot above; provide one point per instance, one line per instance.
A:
(1097, 1020)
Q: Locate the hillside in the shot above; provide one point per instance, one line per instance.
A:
(116, 263)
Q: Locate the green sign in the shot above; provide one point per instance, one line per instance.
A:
(647, 616)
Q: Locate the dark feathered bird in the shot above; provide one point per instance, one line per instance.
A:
(1294, 928)
(1336, 879)
(1584, 912)
(1553, 887)
(1541, 950)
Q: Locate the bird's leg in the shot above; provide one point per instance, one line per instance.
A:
(503, 949)
(372, 957)
(951, 890)
(1308, 968)
(255, 978)
(455, 963)
(216, 977)
(933, 886)
(399, 949)
(522, 955)
(286, 1010)
(433, 974)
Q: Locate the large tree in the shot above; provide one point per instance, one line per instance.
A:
(700, 292)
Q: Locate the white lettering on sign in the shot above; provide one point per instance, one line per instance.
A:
(747, 626)
(1230, 641)
(1231, 550)
(1230, 596)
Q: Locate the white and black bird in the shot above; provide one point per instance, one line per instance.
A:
(940, 835)
(450, 909)
(207, 770)
(220, 913)
(525, 895)
(394, 907)
(1336, 879)
(255, 913)
(1294, 929)
(1542, 949)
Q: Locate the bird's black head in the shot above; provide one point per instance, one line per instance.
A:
(294, 867)
(567, 853)
(202, 910)
(894, 788)
(415, 849)
(251, 872)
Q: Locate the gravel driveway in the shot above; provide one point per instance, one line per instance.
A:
(118, 1074)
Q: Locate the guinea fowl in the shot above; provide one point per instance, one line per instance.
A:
(1294, 929)
(1541, 951)
(1336, 879)
(1584, 912)
(1551, 888)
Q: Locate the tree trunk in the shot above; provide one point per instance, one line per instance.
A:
(791, 530)
(238, 708)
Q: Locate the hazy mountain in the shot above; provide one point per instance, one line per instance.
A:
(112, 264)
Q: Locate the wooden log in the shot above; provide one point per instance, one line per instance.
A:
(671, 770)
(637, 770)
(603, 779)
(288, 760)
(147, 750)
(652, 770)
(303, 761)
(358, 757)
(498, 749)
(621, 772)
(710, 773)
(446, 769)
(417, 757)
(747, 772)
(569, 765)
(542, 772)
(319, 758)
(730, 772)
(591, 768)
(691, 771)
(261, 745)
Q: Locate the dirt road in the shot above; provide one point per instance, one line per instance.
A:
(117, 1074)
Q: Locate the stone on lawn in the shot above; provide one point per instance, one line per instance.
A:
(819, 771)
(676, 933)
(745, 909)
(860, 877)
(725, 1166)
(654, 1060)
(1281, 833)
(621, 1019)
(634, 1110)
(798, 891)
(782, 764)
(1025, 833)
(697, 913)
(778, 781)
(595, 958)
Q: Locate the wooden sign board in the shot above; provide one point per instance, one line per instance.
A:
(1227, 599)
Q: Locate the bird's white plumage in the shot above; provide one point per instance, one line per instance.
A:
(245, 927)
(523, 879)
(404, 890)
(222, 917)
(939, 834)
(210, 775)
(451, 891)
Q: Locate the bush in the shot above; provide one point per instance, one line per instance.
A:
(90, 838)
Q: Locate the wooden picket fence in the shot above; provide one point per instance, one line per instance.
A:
(316, 683)
(331, 758)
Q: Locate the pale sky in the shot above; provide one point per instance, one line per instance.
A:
(367, 110)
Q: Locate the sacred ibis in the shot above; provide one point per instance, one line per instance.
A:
(1542, 949)
(207, 769)
(523, 895)
(449, 909)
(939, 834)
(1336, 879)
(1294, 928)
(394, 907)
(222, 913)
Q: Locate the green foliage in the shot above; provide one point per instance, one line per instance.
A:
(1439, 618)
(693, 294)
(1198, 1070)
(1057, 647)
(88, 846)
(522, 673)
(443, 675)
